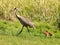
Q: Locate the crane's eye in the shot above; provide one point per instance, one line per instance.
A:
(14, 8)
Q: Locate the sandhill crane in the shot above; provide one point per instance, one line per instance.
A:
(25, 22)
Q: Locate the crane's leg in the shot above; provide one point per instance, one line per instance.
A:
(28, 29)
(20, 31)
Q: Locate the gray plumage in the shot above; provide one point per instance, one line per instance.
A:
(25, 22)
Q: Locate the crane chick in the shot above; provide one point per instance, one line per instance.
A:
(46, 33)
(51, 34)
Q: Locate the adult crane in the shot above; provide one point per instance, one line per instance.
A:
(25, 22)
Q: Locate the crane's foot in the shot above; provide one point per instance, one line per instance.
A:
(20, 31)
(28, 30)
(17, 34)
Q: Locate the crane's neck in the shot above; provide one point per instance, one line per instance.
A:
(15, 13)
(17, 16)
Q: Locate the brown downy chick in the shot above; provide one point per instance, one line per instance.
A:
(46, 33)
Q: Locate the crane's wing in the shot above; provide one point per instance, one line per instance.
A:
(25, 21)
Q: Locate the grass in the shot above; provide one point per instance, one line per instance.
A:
(15, 40)
(8, 31)
(44, 13)
(32, 8)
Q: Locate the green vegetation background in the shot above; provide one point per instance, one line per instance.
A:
(44, 13)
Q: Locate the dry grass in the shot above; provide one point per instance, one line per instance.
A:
(46, 10)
